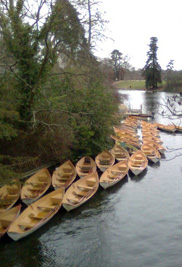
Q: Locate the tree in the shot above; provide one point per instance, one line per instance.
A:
(92, 19)
(152, 69)
(50, 111)
(34, 33)
(116, 58)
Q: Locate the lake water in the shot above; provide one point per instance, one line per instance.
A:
(136, 223)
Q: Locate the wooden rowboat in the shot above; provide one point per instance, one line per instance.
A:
(138, 162)
(178, 128)
(120, 152)
(36, 186)
(7, 218)
(85, 166)
(64, 175)
(167, 128)
(151, 153)
(9, 194)
(36, 215)
(104, 160)
(159, 147)
(114, 174)
(152, 138)
(81, 191)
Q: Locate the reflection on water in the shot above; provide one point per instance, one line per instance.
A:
(138, 222)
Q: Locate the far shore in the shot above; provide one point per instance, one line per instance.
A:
(135, 85)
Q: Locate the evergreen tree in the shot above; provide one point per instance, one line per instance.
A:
(116, 57)
(152, 69)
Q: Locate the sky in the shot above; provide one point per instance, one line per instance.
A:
(133, 22)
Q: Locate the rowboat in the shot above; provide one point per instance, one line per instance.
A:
(126, 140)
(121, 132)
(9, 194)
(64, 175)
(138, 162)
(120, 152)
(81, 191)
(104, 160)
(86, 165)
(178, 128)
(130, 148)
(36, 215)
(159, 147)
(114, 174)
(36, 186)
(151, 152)
(167, 128)
(152, 139)
(7, 218)
(150, 132)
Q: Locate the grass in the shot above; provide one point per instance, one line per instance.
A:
(134, 84)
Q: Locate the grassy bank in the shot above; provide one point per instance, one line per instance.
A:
(134, 84)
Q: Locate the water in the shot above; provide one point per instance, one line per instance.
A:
(136, 223)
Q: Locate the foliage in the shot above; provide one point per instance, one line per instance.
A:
(152, 69)
(33, 40)
(56, 102)
(173, 77)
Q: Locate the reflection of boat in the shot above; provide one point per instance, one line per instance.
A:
(138, 162)
(81, 191)
(36, 186)
(7, 218)
(151, 153)
(85, 166)
(36, 215)
(104, 160)
(64, 175)
(114, 174)
(9, 194)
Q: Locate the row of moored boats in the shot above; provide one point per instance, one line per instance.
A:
(74, 185)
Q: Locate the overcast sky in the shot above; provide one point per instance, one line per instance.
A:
(133, 22)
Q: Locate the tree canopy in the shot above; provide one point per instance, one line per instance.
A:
(56, 103)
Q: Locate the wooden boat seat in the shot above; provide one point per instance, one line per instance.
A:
(104, 162)
(137, 160)
(38, 216)
(61, 183)
(56, 200)
(5, 223)
(136, 164)
(85, 167)
(62, 178)
(36, 189)
(46, 207)
(115, 171)
(112, 177)
(122, 168)
(73, 200)
(91, 181)
(80, 193)
(5, 202)
(42, 177)
(12, 196)
(25, 226)
(83, 187)
(67, 171)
